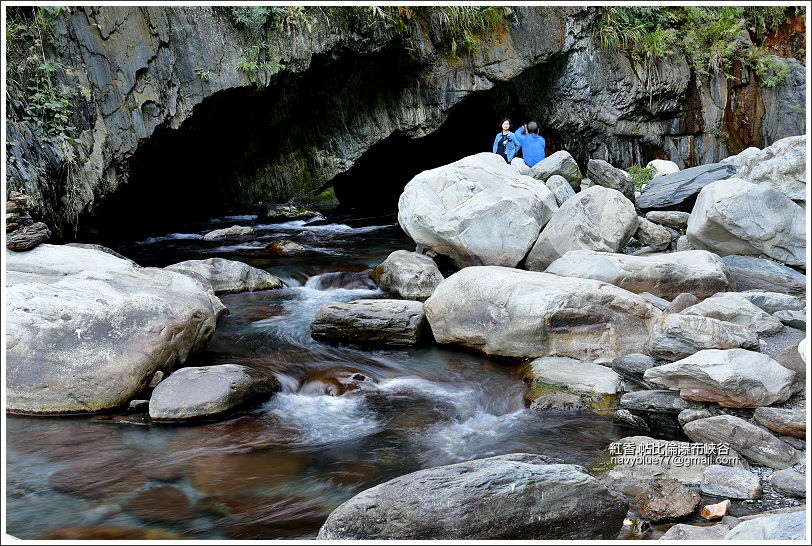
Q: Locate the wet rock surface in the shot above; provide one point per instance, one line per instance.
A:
(386, 322)
(228, 276)
(408, 274)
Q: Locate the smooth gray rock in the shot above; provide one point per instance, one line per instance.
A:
(793, 319)
(752, 442)
(789, 482)
(227, 276)
(477, 211)
(790, 526)
(730, 307)
(656, 401)
(736, 217)
(674, 219)
(385, 322)
(653, 235)
(662, 167)
(597, 218)
(751, 273)
(676, 191)
(677, 336)
(772, 302)
(665, 275)
(781, 166)
(233, 231)
(681, 302)
(696, 533)
(517, 496)
(410, 275)
(561, 188)
(208, 392)
(603, 174)
(559, 163)
(733, 378)
(510, 312)
(599, 384)
(87, 330)
(739, 159)
(692, 414)
(632, 366)
(786, 421)
(734, 483)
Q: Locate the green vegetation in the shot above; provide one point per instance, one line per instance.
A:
(204, 75)
(640, 176)
(710, 37)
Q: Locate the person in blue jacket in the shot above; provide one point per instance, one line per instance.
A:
(531, 142)
(505, 143)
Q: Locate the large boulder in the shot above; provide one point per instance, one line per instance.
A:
(410, 275)
(781, 166)
(559, 163)
(510, 312)
(751, 273)
(666, 500)
(736, 217)
(209, 391)
(789, 526)
(676, 336)
(662, 167)
(734, 378)
(697, 272)
(87, 330)
(677, 191)
(731, 307)
(735, 483)
(516, 496)
(597, 218)
(381, 322)
(227, 276)
(754, 443)
(477, 211)
(603, 174)
(789, 483)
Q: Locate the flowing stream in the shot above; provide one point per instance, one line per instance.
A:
(347, 418)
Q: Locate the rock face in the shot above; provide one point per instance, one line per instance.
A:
(735, 483)
(206, 392)
(669, 218)
(410, 275)
(677, 336)
(597, 218)
(666, 500)
(87, 330)
(731, 307)
(233, 231)
(509, 312)
(603, 174)
(736, 217)
(227, 276)
(560, 163)
(477, 211)
(790, 526)
(754, 443)
(652, 235)
(561, 188)
(517, 496)
(386, 322)
(785, 421)
(676, 191)
(751, 273)
(698, 272)
(781, 166)
(735, 378)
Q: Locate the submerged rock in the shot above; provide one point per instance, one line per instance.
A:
(477, 211)
(751, 273)
(87, 330)
(227, 276)
(285, 247)
(233, 231)
(516, 496)
(666, 275)
(734, 378)
(676, 190)
(386, 322)
(677, 336)
(98, 476)
(736, 217)
(207, 392)
(410, 275)
(159, 504)
(754, 443)
(509, 312)
(597, 218)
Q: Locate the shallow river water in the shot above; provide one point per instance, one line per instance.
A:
(347, 418)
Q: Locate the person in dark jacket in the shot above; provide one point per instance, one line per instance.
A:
(531, 142)
(505, 143)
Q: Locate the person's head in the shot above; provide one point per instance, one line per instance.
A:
(506, 124)
(533, 127)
